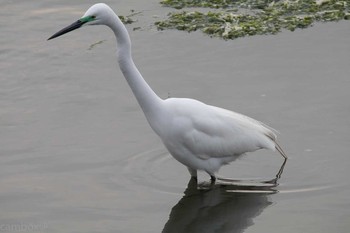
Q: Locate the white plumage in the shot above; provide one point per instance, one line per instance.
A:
(200, 136)
(205, 137)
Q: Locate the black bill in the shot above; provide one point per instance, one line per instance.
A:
(69, 28)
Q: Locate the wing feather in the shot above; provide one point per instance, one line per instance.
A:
(211, 132)
(222, 133)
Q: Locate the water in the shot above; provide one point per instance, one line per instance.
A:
(77, 154)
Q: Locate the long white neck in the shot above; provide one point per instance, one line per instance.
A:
(147, 99)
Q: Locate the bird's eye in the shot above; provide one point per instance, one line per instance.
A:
(93, 17)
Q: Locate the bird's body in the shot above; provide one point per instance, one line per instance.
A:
(205, 137)
(200, 136)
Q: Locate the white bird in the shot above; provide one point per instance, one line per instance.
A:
(200, 136)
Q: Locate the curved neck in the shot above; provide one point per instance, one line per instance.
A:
(147, 99)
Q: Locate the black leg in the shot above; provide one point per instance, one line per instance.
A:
(278, 175)
(281, 169)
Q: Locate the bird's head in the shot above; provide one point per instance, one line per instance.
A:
(95, 15)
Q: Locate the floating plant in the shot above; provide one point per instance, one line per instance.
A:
(239, 18)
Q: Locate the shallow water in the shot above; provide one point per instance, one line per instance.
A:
(77, 154)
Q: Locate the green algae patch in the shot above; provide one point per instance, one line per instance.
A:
(128, 19)
(222, 24)
(92, 46)
(251, 17)
(179, 4)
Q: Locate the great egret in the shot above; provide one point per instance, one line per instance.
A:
(200, 136)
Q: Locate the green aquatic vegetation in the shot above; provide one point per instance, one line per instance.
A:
(226, 25)
(238, 18)
(92, 46)
(127, 19)
(179, 4)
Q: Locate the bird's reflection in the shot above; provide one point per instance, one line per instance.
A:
(225, 206)
(219, 207)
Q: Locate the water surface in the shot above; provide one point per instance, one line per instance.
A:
(77, 154)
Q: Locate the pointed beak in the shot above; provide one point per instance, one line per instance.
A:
(67, 29)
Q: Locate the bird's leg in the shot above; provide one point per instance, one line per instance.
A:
(193, 172)
(278, 175)
(281, 169)
(212, 177)
(279, 149)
